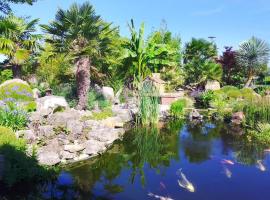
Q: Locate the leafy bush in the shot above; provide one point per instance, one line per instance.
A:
(177, 108)
(261, 134)
(262, 90)
(67, 90)
(5, 75)
(19, 93)
(205, 98)
(96, 98)
(19, 167)
(13, 117)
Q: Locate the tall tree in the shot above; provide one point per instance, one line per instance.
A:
(18, 41)
(200, 61)
(5, 4)
(232, 71)
(80, 33)
(145, 56)
(253, 55)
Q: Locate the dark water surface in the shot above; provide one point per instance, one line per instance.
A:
(148, 161)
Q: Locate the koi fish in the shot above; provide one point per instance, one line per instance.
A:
(260, 166)
(159, 197)
(227, 172)
(162, 185)
(184, 182)
(227, 162)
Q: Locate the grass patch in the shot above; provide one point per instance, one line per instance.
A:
(177, 109)
(102, 115)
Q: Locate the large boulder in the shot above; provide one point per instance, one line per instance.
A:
(48, 158)
(28, 135)
(47, 105)
(212, 85)
(108, 93)
(73, 148)
(105, 134)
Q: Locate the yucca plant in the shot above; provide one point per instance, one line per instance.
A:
(253, 55)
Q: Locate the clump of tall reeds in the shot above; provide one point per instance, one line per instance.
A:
(148, 97)
(257, 110)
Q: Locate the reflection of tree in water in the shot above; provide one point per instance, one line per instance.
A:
(141, 146)
(197, 140)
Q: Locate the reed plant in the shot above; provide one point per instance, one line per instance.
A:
(148, 98)
(257, 111)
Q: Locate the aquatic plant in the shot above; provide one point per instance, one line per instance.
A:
(261, 134)
(148, 104)
(177, 109)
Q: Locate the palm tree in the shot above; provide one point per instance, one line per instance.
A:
(253, 55)
(5, 7)
(17, 41)
(81, 34)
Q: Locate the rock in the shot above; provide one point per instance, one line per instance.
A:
(36, 93)
(75, 126)
(48, 158)
(67, 155)
(212, 85)
(73, 148)
(46, 131)
(82, 157)
(47, 105)
(108, 93)
(28, 135)
(113, 122)
(164, 111)
(195, 115)
(105, 134)
(238, 118)
(126, 115)
(93, 147)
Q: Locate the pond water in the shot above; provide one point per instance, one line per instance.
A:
(159, 163)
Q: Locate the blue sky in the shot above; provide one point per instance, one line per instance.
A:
(230, 21)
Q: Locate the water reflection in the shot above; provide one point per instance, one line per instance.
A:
(147, 159)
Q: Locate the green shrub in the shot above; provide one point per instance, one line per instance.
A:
(177, 108)
(19, 167)
(96, 98)
(205, 98)
(13, 117)
(67, 90)
(5, 75)
(261, 134)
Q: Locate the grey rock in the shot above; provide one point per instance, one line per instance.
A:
(75, 126)
(212, 85)
(108, 93)
(36, 93)
(46, 105)
(82, 157)
(48, 158)
(105, 134)
(195, 115)
(73, 148)
(28, 135)
(93, 147)
(46, 131)
(67, 155)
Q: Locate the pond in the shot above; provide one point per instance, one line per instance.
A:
(161, 163)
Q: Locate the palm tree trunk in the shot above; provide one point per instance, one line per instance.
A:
(83, 81)
(250, 78)
(17, 72)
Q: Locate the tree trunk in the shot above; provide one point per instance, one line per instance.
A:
(250, 78)
(17, 71)
(83, 81)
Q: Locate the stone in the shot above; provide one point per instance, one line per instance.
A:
(238, 118)
(28, 135)
(195, 115)
(74, 126)
(126, 115)
(93, 147)
(48, 158)
(113, 122)
(67, 155)
(36, 93)
(108, 93)
(73, 148)
(164, 111)
(105, 134)
(212, 85)
(46, 105)
(46, 131)
(82, 157)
